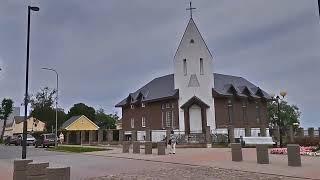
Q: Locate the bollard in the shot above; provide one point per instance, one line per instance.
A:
(294, 158)
(148, 135)
(168, 132)
(300, 132)
(134, 135)
(121, 135)
(20, 168)
(136, 147)
(236, 152)
(148, 147)
(231, 134)
(161, 148)
(247, 132)
(125, 146)
(262, 154)
(37, 171)
(311, 132)
(58, 173)
(290, 135)
(263, 131)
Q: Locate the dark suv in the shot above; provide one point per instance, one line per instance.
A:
(45, 140)
(15, 139)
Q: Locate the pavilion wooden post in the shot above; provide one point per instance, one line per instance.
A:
(83, 137)
(247, 132)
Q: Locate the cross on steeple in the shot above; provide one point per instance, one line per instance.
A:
(190, 9)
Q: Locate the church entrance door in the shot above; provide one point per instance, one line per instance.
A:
(195, 119)
(195, 115)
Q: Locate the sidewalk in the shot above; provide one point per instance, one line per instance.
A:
(221, 158)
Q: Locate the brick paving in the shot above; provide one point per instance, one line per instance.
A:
(193, 173)
(221, 158)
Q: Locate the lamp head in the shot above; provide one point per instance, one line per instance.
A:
(34, 8)
(283, 93)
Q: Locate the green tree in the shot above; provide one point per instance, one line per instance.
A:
(289, 114)
(82, 109)
(283, 116)
(5, 111)
(42, 108)
(106, 121)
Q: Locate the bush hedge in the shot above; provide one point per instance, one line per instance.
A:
(307, 141)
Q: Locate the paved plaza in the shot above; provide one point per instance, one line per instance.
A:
(200, 163)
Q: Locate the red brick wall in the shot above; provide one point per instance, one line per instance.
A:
(153, 114)
(222, 118)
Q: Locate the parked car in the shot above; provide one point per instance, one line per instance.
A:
(45, 140)
(15, 139)
(30, 140)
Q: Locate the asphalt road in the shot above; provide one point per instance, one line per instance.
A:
(83, 166)
(14, 152)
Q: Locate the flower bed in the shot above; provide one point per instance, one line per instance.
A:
(306, 151)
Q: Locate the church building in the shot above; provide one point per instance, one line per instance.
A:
(194, 97)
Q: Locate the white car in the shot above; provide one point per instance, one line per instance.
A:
(30, 140)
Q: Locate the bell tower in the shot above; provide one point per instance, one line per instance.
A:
(193, 76)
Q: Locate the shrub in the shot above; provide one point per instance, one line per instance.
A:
(307, 141)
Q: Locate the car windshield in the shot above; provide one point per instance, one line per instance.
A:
(29, 136)
(50, 136)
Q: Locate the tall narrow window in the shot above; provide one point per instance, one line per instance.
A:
(143, 122)
(230, 111)
(257, 112)
(244, 112)
(201, 66)
(173, 123)
(185, 71)
(168, 118)
(162, 120)
(132, 122)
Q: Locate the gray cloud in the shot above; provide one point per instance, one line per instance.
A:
(105, 49)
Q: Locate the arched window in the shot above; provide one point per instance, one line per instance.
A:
(257, 112)
(244, 111)
(230, 111)
(201, 66)
(185, 71)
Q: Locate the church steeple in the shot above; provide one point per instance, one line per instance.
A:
(193, 70)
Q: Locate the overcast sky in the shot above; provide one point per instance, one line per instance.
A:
(105, 49)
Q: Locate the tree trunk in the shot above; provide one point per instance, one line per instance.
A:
(3, 128)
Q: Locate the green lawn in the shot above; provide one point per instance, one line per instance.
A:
(76, 149)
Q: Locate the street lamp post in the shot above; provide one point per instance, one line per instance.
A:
(24, 142)
(279, 120)
(57, 86)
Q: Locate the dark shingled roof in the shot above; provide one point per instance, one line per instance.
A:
(18, 119)
(224, 85)
(69, 121)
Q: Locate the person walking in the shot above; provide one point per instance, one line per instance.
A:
(172, 143)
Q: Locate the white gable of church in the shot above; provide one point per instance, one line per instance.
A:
(193, 71)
